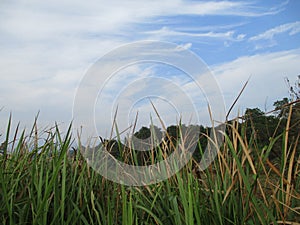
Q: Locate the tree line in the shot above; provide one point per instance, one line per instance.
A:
(261, 128)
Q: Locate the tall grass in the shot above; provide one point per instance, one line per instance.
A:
(45, 184)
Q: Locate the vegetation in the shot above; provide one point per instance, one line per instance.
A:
(246, 184)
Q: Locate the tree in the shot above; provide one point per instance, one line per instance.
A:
(143, 133)
(260, 127)
(294, 89)
(146, 132)
(280, 107)
(290, 107)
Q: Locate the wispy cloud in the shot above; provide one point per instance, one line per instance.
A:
(291, 28)
(239, 8)
(47, 46)
(269, 35)
(266, 73)
(36, 20)
(167, 32)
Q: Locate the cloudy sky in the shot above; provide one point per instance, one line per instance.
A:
(47, 47)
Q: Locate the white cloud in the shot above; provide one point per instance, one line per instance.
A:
(36, 20)
(266, 85)
(165, 32)
(47, 46)
(241, 37)
(290, 28)
(266, 73)
(185, 46)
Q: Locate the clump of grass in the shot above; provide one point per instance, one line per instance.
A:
(45, 184)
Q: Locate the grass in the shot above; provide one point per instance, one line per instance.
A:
(44, 184)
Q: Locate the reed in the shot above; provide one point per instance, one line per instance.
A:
(45, 184)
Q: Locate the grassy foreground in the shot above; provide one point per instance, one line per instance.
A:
(45, 185)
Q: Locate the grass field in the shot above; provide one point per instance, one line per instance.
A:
(44, 184)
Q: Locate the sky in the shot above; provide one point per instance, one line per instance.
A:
(47, 47)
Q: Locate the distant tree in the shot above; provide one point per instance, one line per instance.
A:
(294, 129)
(280, 107)
(146, 132)
(203, 133)
(114, 147)
(294, 89)
(145, 142)
(261, 127)
(143, 133)
(255, 123)
(255, 112)
(173, 132)
(290, 107)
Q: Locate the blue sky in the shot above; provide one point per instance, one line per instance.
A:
(46, 47)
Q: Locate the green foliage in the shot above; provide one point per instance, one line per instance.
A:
(280, 106)
(143, 133)
(255, 179)
(45, 184)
